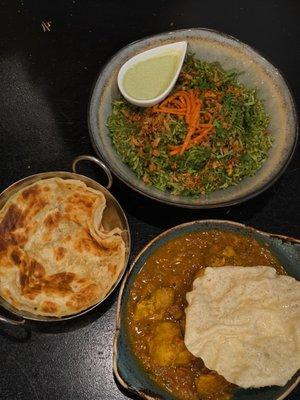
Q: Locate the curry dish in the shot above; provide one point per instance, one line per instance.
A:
(156, 317)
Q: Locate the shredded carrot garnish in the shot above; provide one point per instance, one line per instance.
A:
(187, 103)
(171, 111)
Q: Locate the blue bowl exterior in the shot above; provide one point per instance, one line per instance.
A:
(126, 366)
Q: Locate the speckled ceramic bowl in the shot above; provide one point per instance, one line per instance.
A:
(231, 53)
(126, 366)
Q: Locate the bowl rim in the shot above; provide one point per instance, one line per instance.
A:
(31, 179)
(183, 204)
(163, 234)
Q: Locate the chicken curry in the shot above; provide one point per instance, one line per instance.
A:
(156, 317)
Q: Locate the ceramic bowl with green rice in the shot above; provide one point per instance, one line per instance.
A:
(243, 97)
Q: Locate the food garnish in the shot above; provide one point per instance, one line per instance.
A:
(187, 104)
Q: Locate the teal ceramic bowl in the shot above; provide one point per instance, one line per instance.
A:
(127, 369)
(211, 46)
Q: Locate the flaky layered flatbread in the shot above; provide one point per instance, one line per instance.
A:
(55, 257)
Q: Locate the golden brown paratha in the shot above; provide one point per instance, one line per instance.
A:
(55, 257)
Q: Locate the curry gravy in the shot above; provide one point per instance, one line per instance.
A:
(156, 318)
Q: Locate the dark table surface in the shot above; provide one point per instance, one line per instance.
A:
(45, 84)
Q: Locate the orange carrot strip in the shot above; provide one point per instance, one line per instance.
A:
(186, 103)
(174, 152)
(172, 97)
(178, 103)
(205, 125)
(187, 140)
(171, 111)
(186, 97)
(201, 136)
(182, 100)
(193, 120)
(168, 100)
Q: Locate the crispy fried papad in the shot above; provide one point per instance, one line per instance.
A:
(56, 259)
(244, 322)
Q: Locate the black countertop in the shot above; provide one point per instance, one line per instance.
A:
(45, 84)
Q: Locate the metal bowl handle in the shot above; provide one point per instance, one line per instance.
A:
(96, 161)
(12, 321)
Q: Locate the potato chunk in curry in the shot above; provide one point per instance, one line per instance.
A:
(229, 252)
(155, 306)
(167, 347)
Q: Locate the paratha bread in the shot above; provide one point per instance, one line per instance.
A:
(244, 322)
(55, 257)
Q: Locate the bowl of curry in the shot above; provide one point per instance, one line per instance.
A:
(150, 357)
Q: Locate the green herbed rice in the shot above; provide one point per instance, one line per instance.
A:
(236, 150)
